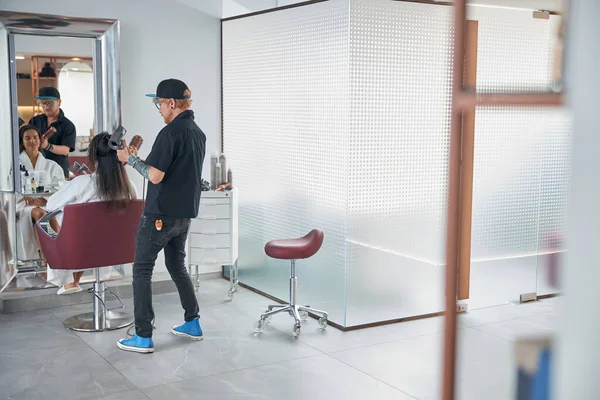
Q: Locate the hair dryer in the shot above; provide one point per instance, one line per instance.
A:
(114, 142)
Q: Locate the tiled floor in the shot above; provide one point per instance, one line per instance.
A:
(39, 359)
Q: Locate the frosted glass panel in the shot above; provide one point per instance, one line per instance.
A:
(285, 103)
(515, 52)
(521, 158)
(555, 180)
(337, 116)
(400, 83)
(520, 189)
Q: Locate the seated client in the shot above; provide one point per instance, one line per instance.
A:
(30, 210)
(108, 183)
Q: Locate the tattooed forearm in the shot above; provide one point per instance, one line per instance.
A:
(139, 166)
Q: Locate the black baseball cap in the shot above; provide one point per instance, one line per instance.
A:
(170, 89)
(48, 93)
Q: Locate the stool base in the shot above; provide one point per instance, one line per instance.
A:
(297, 312)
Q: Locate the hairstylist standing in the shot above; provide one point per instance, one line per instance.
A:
(174, 169)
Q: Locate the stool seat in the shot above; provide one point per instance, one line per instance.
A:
(295, 249)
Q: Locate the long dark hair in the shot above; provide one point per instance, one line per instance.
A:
(22, 131)
(111, 178)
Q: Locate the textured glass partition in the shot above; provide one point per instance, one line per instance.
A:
(286, 133)
(400, 90)
(515, 51)
(521, 169)
(337, 116)
(555, 178)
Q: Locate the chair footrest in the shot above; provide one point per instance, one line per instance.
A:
(86, 322)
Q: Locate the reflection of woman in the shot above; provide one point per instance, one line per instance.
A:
(108, 183)
(30, 210)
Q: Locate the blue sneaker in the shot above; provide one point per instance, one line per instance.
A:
(189, 329)
(136, 344)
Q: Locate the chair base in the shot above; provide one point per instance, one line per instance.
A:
(85, 322)
(297, 312)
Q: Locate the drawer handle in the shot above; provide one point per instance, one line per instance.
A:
(209, 217)
(209, 232)
(209, 203)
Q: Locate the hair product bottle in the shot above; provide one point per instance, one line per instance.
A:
(213, 171)
(218, 174)
(229, 177)
(223, 162)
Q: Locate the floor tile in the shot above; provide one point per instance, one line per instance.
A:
(507, 312)
(128, 395)
(70, 373)
(414, 365)
(315, 378)
(229, 344)
(515, 328)
(37, 316)
(35, 334)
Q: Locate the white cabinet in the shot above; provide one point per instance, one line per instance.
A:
(213, 236)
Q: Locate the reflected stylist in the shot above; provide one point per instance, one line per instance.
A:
(174, 171)
(58, 143)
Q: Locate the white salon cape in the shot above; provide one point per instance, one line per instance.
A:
(81, 189)
(26, 239)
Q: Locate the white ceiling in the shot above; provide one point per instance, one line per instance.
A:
(229, 8)
(550, 5)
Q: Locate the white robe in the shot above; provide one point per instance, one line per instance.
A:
(81, 189)
(53, 175)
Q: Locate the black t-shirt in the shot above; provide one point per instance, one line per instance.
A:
(178, 152)
(65, 136)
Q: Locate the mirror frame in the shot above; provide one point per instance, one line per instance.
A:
(107, 87)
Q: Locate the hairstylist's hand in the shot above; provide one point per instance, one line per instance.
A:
(123, 153)
(44, 144)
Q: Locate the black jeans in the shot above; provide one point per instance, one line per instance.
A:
(149, 241)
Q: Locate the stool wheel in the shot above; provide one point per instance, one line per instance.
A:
(259, 326)
(323, 322)
(303, 315)
(296, 330)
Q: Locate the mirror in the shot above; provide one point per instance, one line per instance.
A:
(65, 64)
(60, 82)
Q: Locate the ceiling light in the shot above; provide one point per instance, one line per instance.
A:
(20, 57)
(75, 69)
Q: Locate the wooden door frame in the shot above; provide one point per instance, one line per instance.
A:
(467, 157)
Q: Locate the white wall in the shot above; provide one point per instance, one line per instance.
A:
(77, 94)
(58, 46)
(159, 40)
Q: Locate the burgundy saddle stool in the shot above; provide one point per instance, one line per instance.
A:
(293, 249)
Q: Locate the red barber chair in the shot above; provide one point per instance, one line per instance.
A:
(92, 236)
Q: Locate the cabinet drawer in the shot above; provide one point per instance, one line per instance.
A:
(219, 241)
(212, 201)
(210, 227)
(214, 211)
(209, 256)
